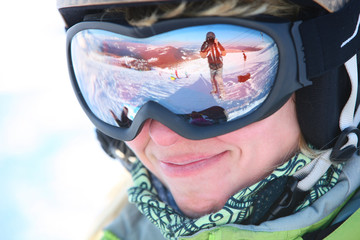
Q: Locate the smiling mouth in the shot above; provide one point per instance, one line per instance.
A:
(189, 167)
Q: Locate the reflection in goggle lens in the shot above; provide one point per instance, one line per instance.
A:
(205, 74)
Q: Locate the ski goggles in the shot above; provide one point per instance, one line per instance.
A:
(171, 72)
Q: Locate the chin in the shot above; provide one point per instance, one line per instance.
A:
(198, 206)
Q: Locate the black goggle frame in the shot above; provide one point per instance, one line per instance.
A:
(291, 76)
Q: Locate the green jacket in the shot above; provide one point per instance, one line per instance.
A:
(339, 207)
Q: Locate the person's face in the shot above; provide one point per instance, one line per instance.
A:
(203, 174)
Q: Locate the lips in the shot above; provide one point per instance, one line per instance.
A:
(186, 166)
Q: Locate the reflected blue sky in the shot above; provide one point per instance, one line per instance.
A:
(228, 35)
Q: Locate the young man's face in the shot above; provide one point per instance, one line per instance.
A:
(203, 174)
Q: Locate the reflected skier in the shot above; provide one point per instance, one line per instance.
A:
(214, 51)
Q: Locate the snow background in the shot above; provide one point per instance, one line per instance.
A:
(54, 177)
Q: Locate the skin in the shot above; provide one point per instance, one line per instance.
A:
(203, 174)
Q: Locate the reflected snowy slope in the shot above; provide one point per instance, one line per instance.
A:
(114, 73)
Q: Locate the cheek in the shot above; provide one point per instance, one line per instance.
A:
(138, 145)
(270, 141)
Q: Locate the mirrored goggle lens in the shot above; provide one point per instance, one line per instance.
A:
(204, 80)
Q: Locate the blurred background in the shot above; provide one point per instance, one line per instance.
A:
(54, 177)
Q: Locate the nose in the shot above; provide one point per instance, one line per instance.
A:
(161, 134)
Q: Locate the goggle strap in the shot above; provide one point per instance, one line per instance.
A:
(331, 40)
